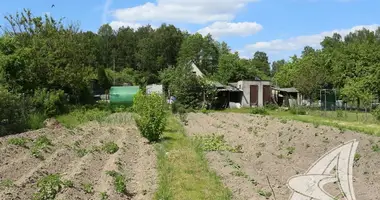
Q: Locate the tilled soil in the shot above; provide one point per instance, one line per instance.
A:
(275, 150)
(135, 159)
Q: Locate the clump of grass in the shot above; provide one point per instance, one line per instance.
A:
(110, 147)
(239, 174)
(42, 143)
(119, 181)
(19, 141)
(298, 110)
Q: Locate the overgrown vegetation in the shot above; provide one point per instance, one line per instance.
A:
(151, 115)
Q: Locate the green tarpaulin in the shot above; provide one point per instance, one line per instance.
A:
(123, 94)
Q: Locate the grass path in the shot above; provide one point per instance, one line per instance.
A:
(183, 169)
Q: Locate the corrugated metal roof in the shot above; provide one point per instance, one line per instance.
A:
(290, 90)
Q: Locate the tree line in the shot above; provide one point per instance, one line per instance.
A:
(348, 64)
(46, 66)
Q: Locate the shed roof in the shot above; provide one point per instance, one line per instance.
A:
(289, 90)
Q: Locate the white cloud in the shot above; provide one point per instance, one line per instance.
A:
(299, 42)
(189, 11)
(220, 29)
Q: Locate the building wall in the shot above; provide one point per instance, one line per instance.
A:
(246, 87)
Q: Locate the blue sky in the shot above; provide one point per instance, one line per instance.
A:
(279, 27)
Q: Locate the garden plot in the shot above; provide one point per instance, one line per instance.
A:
(264, 152)
(106, 160)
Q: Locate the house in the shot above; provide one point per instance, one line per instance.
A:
(244, 93)
(256, 93)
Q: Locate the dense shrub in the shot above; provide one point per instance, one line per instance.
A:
(49, 103)
(151, 115)
(12, 113)
(259, 111)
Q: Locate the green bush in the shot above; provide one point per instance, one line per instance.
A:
(49, 103)
(150, 115)
(13, 112)
(258, 111)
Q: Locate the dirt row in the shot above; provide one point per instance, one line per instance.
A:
(275, 150)
(77, 155)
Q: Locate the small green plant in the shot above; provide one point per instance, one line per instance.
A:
(48, 187)
(284, 121)
(357, 157)
(290, 150)
(81, 152)
(110, 147)
(258, 111)
(150, 115)
(375, 148)
(265, 194)
(239, 173)
(88, 188)
(104, 196)
(19, 141)
(42, 143)
(6, 183)
(119, 181)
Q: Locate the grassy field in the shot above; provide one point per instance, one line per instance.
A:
(183, 169)
(362, 122)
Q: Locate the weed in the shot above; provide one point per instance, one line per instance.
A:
(104, 196)
(357, 157)
(88, 188)
(6, 183)
(298, 110)
(42, 143)
(339, 114)
(68, 183)
(290, 150)
(284, 121)
(81, 152)
(271, 106)
(239, 173)
(110, 147)
(119, 181)
(20, 141)
(265, 194)
(375, 148)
